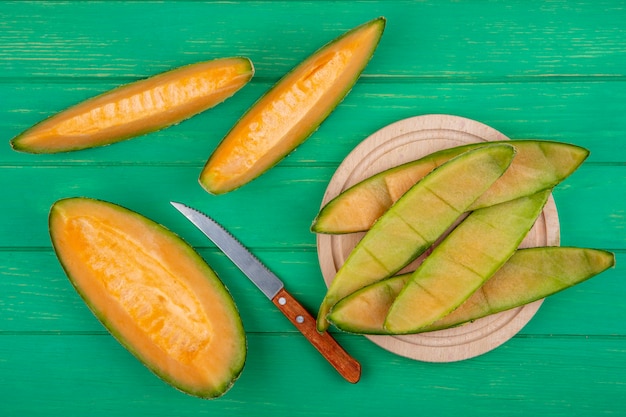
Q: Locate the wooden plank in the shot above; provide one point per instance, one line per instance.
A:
(588, 114)
(279, 203)
(92, 374)
(149, 189)
(442, 39)
(38, 298)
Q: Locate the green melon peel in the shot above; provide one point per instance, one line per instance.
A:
(538, 165)
(464, 260)
(417, 219)
(529, 275)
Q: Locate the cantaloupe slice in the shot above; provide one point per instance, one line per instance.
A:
(138, 108)
(463, 261)
(529, 275)
(538, 165)
(153, 292)
(417, 220)
(291, 110)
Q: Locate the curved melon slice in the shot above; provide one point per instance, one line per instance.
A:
(529, 275)
(291, 110)
(417, 220)
(538, 165)
(153, 292)
(138, 108)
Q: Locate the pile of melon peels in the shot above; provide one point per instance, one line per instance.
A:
(489, 195)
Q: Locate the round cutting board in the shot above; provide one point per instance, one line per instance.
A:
(405, 141)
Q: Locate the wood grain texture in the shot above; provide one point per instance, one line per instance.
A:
(584, 113)
(110, 381)
(530, 69)
(348, 367)
(442, 39)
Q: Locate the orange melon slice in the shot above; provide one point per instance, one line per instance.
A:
(153, 292)
(291, 110)
(138, 108)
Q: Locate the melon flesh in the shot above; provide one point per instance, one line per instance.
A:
(153, 292)
(138, 108)
(529, 275)
(464, 260)
(417, 220)
(291, 110)
(538, 165)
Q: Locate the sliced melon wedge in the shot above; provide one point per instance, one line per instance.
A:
(538, 165)
(291, 110)
(529, 275)
(417, 220)
(153, 292)
(138, 108)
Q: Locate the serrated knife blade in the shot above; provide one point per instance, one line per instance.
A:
(258, 273)
(273, 288)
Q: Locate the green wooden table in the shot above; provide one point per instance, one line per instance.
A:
(548, 70)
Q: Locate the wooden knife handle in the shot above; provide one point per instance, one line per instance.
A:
(345, 364)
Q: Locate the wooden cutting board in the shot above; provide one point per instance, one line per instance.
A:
(405, 141)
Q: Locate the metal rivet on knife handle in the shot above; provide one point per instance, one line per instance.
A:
(345, 364)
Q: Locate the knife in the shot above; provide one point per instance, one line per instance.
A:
(273, 288)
